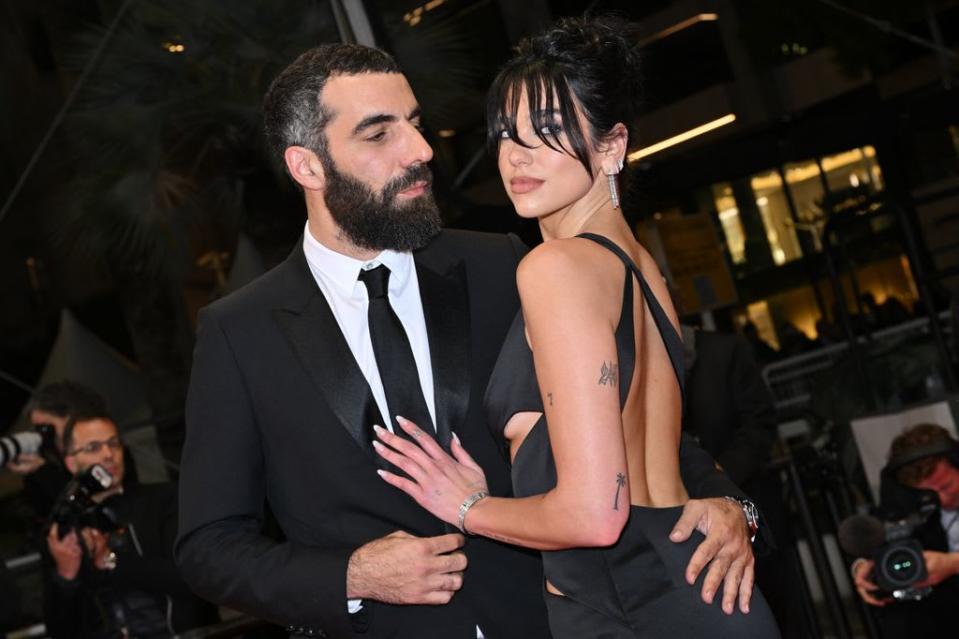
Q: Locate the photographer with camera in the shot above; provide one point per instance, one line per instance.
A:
(38, 454)
(110, 544)
(920, 501)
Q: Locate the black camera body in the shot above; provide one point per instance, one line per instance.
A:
(899, 561)
(75, 508)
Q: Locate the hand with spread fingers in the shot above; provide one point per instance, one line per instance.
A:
(438, 482)
(726, 554)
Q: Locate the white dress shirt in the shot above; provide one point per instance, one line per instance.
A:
(337, 275)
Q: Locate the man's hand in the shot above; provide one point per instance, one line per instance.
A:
(861, 570)
(66, 552)
(96, 543)
(402, 569)
(940, 566)
(25, 463)
(726, 548)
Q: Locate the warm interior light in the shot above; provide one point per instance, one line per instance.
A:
(415, 16)
(446, 133)
(679, 26)
(729, 118)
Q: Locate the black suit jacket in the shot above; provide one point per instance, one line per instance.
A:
(279, 412)
(728, 406)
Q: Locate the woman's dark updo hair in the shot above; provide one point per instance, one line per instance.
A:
(591, 62)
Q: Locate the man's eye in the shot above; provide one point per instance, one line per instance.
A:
(376, 137)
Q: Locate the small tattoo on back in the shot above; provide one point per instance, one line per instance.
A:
(550, 397)
(608, 374)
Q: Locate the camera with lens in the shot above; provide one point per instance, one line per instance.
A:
(40, 440)
(899, 561)
(895, 549)
(75, 508)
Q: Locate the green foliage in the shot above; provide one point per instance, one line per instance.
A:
(162, 137)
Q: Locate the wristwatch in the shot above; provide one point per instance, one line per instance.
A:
(110, 561)
(751, 513)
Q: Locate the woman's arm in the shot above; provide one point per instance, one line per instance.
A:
(570, 306)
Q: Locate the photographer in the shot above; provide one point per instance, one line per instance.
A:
(112, 574)
(44, 474)
(923, 458)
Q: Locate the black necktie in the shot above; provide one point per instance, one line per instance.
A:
(394, 356)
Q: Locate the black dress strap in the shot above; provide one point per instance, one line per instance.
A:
(671, 338)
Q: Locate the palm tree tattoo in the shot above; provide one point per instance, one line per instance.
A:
(620, 482)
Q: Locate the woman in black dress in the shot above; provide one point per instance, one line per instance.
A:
(587, 391)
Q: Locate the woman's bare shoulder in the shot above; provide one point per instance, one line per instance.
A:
(568, 260)
(570, 271)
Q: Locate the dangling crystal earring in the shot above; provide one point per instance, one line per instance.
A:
(613, 190)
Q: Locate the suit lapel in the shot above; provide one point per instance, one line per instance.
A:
(446, 311)
(311, 329)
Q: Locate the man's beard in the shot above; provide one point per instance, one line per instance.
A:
(380, 221)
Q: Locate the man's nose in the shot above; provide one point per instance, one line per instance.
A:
(419, 151)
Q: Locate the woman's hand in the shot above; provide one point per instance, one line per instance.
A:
(439, 483)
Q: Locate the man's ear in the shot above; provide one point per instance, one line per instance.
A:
(305, 167)
(614, 149)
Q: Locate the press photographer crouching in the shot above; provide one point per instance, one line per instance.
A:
(910, 561)
(110, 565)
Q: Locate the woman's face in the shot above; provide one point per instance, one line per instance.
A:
(541, 180)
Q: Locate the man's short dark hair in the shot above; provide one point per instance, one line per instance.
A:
(913, 439)
(292, 112)
(67, 398)
(81, 417)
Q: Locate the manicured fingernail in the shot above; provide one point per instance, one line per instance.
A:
(674, 535)
(456, 437)
(381, 473)
(378, 429)
(746, 609)
(377, 445)
(402, 419)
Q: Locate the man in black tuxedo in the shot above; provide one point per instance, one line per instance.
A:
(291, 372)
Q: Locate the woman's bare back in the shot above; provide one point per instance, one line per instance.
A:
(651, 416)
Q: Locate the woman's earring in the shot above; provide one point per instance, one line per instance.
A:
(613, 190)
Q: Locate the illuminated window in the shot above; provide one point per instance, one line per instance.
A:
(731, 224)
(853, 169)
(777, 220)
(758, 313)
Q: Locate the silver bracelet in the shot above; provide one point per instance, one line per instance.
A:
(468, 503)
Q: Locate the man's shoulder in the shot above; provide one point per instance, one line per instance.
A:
(463, 243)
(276, 287)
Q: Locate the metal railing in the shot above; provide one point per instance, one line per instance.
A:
(792, 380)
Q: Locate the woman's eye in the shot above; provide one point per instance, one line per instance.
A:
(553, 129)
